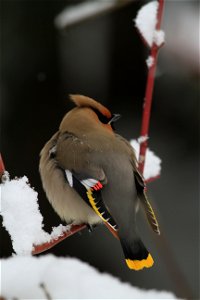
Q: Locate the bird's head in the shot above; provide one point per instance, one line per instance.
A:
(87, 113)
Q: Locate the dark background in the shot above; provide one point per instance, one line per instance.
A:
(104, 58)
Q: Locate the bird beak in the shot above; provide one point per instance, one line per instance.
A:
(114, 118)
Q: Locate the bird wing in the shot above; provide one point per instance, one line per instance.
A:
(85, 177)
(90, 191)
(141, 188)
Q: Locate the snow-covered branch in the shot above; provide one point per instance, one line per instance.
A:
(152, 168)
(23, 220)
(148, 23)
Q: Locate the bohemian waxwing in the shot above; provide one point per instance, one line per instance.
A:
(89, 174)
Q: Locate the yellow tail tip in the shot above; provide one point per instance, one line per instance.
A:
(140, 264)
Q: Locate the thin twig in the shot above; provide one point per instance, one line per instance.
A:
(149, 93)
(46, 292)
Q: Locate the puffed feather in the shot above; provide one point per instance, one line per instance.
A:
(65, 201)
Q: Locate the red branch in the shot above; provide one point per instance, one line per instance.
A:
(2, 167)
(149, 93)
(151, 179)
(74, 229)
(46, 246)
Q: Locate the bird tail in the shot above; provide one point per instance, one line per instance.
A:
(136, 255)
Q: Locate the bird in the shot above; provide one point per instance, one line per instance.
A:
(90, 176)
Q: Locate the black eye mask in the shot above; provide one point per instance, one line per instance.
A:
(103, 119)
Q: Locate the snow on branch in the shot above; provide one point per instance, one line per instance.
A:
(22, 218)
(152, 166)
(150, 61)
(27, 277)
(146, 21)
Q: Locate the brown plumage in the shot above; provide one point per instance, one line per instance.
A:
(90, 176)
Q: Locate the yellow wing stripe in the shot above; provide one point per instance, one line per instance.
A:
(140, 264)
(92, 202)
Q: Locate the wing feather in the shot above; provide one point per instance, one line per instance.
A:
(151, 217)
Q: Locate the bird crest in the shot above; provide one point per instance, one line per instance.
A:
(83, 101)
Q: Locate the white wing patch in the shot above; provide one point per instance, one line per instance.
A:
(89, 183)
(69, 177)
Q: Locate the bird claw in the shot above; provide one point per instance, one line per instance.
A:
(90, 228)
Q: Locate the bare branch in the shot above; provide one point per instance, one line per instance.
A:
(47, 294)
(149, 92)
